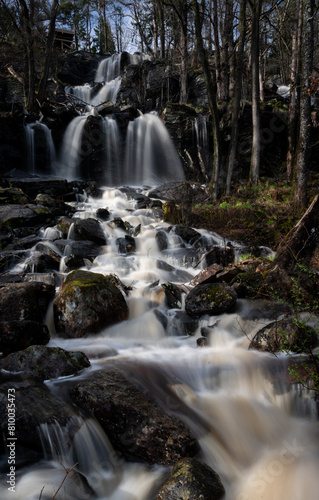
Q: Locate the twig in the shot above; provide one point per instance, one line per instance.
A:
(66, 475)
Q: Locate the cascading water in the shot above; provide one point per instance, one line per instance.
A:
(146, 156)
(251, 424)
(150, 154)
(40, 148)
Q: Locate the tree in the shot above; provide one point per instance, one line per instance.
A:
(212, 100)
(255, 9)
(238, 89)
(302, 162)
(50, 40)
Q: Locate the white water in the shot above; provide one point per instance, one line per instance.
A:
(253, 428)
(38, 133)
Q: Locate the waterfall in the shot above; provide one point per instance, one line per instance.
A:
(150, 153)
(71, 148)
(108, 69)
(40, 148)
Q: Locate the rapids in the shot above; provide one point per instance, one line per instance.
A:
(259, 433)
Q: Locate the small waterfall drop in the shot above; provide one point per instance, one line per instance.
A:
(40, 148)
(150, 153)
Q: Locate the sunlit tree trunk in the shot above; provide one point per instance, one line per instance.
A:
(302, 163)
(294, 83)
(255, 6)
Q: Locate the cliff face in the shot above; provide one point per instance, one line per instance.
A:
(145, 86)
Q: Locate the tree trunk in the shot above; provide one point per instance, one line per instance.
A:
(256, 146)
(211, 93)
(294, 78)
(238, 89)
(27, 29)
(50, 40)
(302, 164)
(301, 241)
(217, 49)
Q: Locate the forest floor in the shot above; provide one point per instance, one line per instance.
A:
(255, 216)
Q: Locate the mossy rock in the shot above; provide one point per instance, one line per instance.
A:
(45, 363)
(87, 303)
(212, 298)
(192, 480)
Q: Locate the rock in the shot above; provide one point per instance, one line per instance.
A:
(192, 480)
(57, 206)
(212, 299)
(64, 225)
(173, 295)
(84, 249)
(34, 405)
(126, 245)
(12, 195)
(103, 213)
(161, 240)
(45, 363)
(87, 303)
(188, 234)
(23, 215)
(136, 426)
(218, 255)
(16, 335)
(215, 274)
(180, 192)
(32, 186)
(30, 301)
(288, 334)
(89, 229)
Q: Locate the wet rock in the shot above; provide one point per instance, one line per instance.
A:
(188, 234)
(45, 363)
(30, 301)
(34, 405)
(136, 426)
(57, 206)
(214, 298)
(32, 186)
(173, 295)
(103, 213)
(126, 245)
(16, 335)
(215, 274)
(161, 240)
(64, 225)
(23, 215)
(40, 262)
(89, 229)
(192, 480)
(183, 323)
(87, 303)
(202, 342)
(219, 255)
(85, 249)
(73, 262)
(12, 195)
(288, 334)
(118, 222)
(180, 192)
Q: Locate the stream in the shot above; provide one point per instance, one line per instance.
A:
(258, 432)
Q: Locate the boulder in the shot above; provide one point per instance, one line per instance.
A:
(45, 363)
(192, 480)
(14, 216)
(288, 334)
(87, 303)
(30, 299)
(34, 405)
(173, 295)
(126, 245)
(161, 240)
(139, 429)
(188, 234)
(16, 335)
(89, 229)
(214, 298)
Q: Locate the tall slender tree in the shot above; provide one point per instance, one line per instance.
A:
(303, 152)
(212, 99)
(255, 9)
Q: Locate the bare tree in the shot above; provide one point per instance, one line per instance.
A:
(303, 151)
